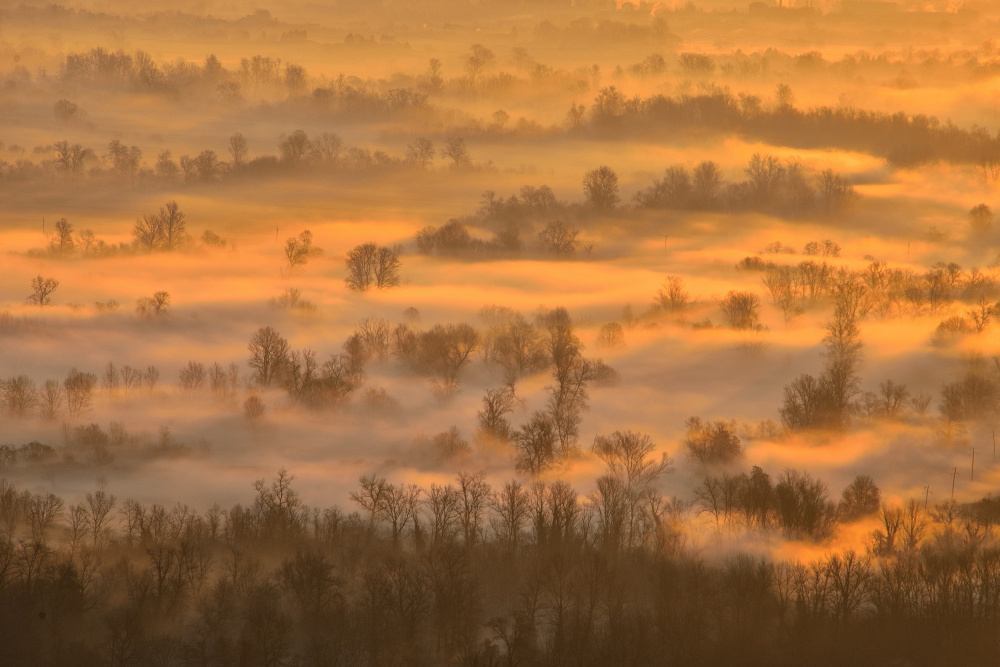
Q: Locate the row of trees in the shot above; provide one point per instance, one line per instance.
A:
(797, 504)
(901, 138)
(470, 574)
(163, 231)
(297, 152)
(882, 290)
(771, 185)
(453, 239)
(21, 396)
(138, 71)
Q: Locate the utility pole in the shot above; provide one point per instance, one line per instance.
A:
(954, 474)
(927, 492)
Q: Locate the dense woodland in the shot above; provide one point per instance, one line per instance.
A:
(467, 574)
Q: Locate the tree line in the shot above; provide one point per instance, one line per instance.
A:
(471, 574)
(901, 138)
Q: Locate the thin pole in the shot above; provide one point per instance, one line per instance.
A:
(927, 492)
(954, 473)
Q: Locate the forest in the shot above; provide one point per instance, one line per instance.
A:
(492, 334)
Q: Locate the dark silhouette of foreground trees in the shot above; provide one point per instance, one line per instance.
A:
(465, 573)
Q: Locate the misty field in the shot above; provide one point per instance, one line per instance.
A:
(571, 333)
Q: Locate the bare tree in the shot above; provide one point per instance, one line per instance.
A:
(151, 377)
(386, 272)
(238, 151)
(475, 494)
(672, 296)
(172, 225)
(443, 504)
(371, 497)
(980, 218)
(98, 508)
(50, 398)
(192, 376)
(294, 147)
(253, 409)
(70, 157)
(42, 512)
(510, 513)
(111, 381)
(780, 281)
(611, 335)
(765, 174)
(125, 160)
(420, 153)
(62, 241)
(705, 183)
(299, 250)
(447, 349)
(41, 288)
(600, 187)
(623, 496)
(147, 232)
(361, 266)
(497, 404)
(158, 304)
(131, 377)
(79, 391)
(861, 498)
(205, 167)
(295, 78)
(371, 265)
(536, 443)
(478, 60)
(327, 147)
(65, 110)
(435, 83)
(376, 334)
(741, 309)
(399, 508)
(559, 238)
(19, 395)
(455, 149)
(269, 354)
(165, 167)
